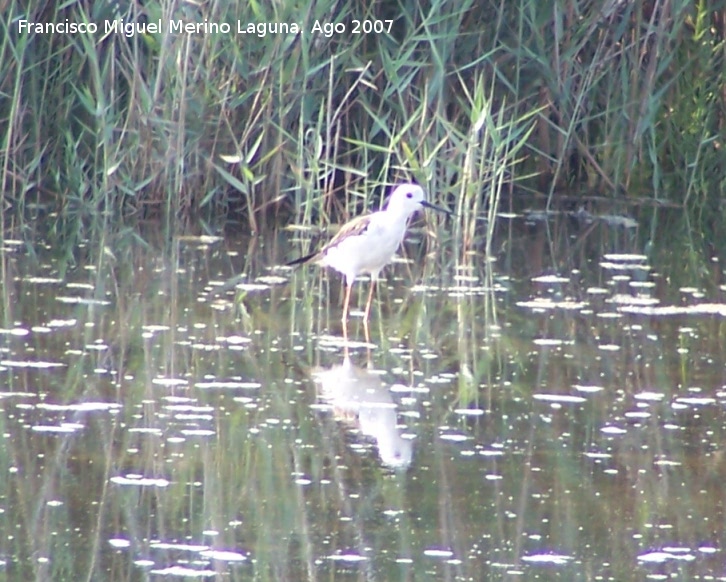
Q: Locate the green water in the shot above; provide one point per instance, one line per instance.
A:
(554, 411)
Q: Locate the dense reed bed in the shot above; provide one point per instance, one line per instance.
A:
(607, 98)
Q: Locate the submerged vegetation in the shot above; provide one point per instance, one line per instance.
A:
(466, 97)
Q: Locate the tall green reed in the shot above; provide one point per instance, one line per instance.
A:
(608, 98)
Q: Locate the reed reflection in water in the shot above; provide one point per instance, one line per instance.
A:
(566, 397)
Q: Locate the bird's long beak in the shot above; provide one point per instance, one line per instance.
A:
(437, 208)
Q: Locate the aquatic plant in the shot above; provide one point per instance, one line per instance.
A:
(314, 107)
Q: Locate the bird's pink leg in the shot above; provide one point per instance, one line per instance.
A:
(346, 303)
(370, 300)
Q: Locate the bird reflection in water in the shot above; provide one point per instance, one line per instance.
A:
(359, 396)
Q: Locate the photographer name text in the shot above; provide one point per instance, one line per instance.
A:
(260, 29)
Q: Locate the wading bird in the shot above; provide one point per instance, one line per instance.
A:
(368, 243)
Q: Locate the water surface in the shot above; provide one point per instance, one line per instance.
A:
(551, 411)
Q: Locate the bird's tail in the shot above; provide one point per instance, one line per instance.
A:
(300, 260)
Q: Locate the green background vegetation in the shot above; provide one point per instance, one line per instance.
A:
(584, 97)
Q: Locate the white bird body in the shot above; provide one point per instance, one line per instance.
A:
(368, 251)
(368, 243)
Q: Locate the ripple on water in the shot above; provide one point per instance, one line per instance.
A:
(223, 555)
(349, 557)
(228, 385)
(79, 407)
(183, 572)
(170, 382)
(547, 559)
(560, 398)
(139, 481)
(660, 557)
(31, 364)
(64, 427)
(435, 552)
(547, 303)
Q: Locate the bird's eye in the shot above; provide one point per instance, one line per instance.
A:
(409, 195)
